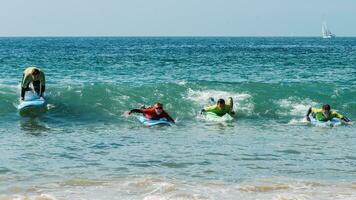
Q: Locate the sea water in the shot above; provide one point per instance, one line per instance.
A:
(83, 147)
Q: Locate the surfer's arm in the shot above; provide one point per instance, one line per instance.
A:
(135, 111)
(209, 108)
(230, 104)
(23, 90)
(308, 113)
(43, 88)
(26, 79)
(42, 79)
(169, 118)
(340, 116)
(43, 83)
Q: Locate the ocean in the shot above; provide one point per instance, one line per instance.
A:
(83, 147)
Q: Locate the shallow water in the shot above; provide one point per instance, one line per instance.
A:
(82, 147)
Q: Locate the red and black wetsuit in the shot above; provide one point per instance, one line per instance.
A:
(151, 114)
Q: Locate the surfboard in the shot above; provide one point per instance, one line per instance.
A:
(31, 103)
(330, 123)
(152, 122)
(210, 116)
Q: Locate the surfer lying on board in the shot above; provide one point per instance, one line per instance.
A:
(324, 114)
(35, 76)
(221, 108)
(156, 112)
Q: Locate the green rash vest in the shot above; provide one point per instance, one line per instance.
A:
(214, 109)
(27, 77)
(318, 114)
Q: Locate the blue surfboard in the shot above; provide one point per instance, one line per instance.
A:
(31, 103)
(152, 122)
(331, 123)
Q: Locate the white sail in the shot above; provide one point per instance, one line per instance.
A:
(326, 33)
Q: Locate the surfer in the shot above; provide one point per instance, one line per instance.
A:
(35, 76)
(221, 108)
(156, 112)
(324, 114)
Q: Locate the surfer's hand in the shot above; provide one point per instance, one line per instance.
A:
(346, 119)
(126, 114)
(307, 118)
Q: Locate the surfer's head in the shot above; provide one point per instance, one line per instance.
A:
(35, 73)
(326, 107)
(221, 103)
(326, 110)
(158, 108)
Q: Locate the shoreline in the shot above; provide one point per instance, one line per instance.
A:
(162, 188)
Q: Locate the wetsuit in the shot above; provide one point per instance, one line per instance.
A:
(318, 114)
(38, 85)
(221, 112)
(150, 113)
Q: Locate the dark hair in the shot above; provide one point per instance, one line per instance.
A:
(35, 71)
(326, 107)
(221, 101)
(159, 104)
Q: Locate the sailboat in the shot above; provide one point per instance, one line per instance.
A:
(326, 34)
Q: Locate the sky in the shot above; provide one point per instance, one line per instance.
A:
(176, 17)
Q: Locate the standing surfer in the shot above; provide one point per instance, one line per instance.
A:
(35, 76)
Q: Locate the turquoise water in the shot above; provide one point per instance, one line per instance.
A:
(82, 147)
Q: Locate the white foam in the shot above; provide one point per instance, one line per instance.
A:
(10, 87)
(148, 188)
(182, 82)
(298, 121)
(295, 106)
(50, 106)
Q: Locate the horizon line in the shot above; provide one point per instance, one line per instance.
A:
(168, 36)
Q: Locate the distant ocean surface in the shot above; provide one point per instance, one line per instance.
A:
(83, 147)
